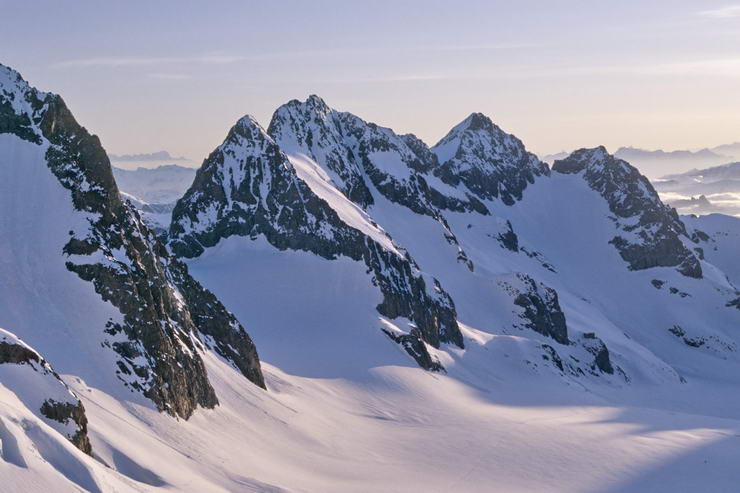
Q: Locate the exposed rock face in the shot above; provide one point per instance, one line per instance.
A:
(537, 308)
(596, 346)
(362, 156)
(40, 388)
(64, 412)
(248, 187)
(652, 234)
(487, 161)
(318, 131)
(164, 311)
(415, 347)
(541, 308)
(508, 239)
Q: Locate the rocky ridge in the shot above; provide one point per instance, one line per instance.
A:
(167, 317)
(652, 233)
(248, 187)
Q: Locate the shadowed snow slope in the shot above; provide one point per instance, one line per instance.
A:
(456, 318)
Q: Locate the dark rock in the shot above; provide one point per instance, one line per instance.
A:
(157, 298)
(13, 351)
(509, 239)
(542, 312)
(598, 349)
(631, 197)
(489, 162)
(63, 412)
(413, 344)
(553, 356)
(249, 188)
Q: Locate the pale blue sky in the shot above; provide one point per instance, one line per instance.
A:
(175, 75)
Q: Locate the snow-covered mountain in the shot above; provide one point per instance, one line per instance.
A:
(535, 256)
(154, 191)
(161, 185)
(86, 283)
(656, 163)
(459, 316)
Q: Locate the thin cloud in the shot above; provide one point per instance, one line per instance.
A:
(147, 61)
(224, 59)
(726, 67)
(727, 12)
(482, 47)
(165, 76)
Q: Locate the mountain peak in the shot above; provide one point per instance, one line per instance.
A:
(581, 159)
(12, 79)
(474, 122)
(154, 346)
(478, 121)
(316, 101)
(249, 122)
(490, 162)
(651, 231)
(314, 107)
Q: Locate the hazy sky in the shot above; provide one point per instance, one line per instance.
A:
(175, 75)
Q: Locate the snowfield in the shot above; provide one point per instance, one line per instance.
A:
(578, 371)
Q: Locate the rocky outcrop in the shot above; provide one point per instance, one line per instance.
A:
(361, 157)
(540, 308)
(167, 318)
(248, 187)
(39, 387)
(598, 349)
(66, 412)
(489, 162)
(651, 234)
(537, 308)
(413, 344)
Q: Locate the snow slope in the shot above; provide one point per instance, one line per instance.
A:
(661, 418)
(578, 370)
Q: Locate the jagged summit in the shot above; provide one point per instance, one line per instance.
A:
(365, 160)
(653, 235)
(579, 159)
(489, 162)
(117, 308)
(248, 187)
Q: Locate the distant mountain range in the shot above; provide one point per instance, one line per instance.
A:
(703, 191)
(154, 191)
(152, 156)
(655, 164)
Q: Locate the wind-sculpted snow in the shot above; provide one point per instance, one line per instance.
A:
(248, 187)
(157, 331)
(487, 161)
(652, 235)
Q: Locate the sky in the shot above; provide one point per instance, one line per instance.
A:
(559, 74)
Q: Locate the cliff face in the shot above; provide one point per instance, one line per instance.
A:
(652, 234)
(248, 187)
(166, 318)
